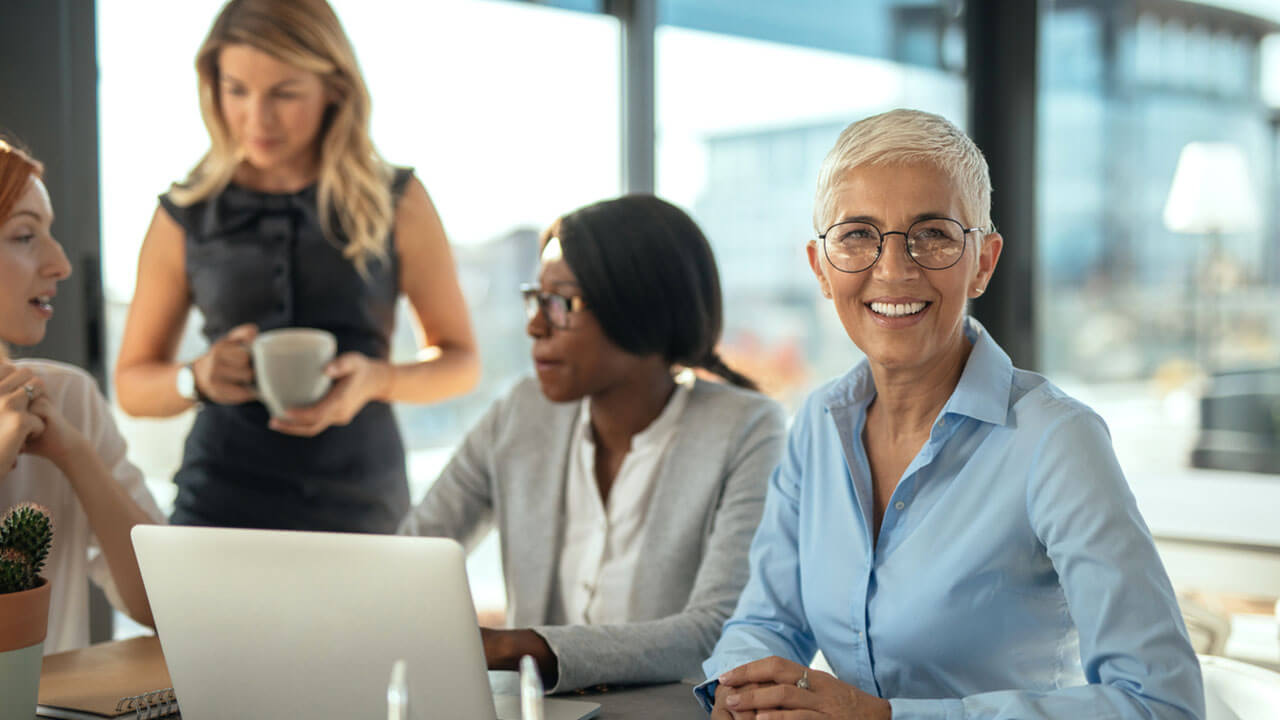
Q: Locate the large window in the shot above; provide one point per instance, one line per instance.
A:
(749, 100)
(1158, 275)
(508, 112)
(1142, 292)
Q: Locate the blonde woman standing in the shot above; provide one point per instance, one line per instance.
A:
(291, 220)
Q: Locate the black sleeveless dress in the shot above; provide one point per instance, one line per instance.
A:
(263, 258)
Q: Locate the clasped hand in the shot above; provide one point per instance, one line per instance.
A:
(17, 422)
(30, 422)
(767, 690)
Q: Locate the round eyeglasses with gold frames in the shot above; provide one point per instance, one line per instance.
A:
(932, 243)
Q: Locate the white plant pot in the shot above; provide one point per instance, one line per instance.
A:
(24, 621)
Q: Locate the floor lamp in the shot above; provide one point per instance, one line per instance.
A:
(1211, 196)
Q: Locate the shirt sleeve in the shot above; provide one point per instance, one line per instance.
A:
(1133, 646)
(180, 214)
(400, 178)
(769, 619)
(86, 406)
(459, 504)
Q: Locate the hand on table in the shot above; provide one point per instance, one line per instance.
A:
(721, 712)
(768, 688)
(357, 379)
(504, 648)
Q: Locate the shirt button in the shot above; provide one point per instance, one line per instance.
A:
(899, 505)
(942, 423)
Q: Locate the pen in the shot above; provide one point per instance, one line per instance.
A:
(398, 692)
(530, 689)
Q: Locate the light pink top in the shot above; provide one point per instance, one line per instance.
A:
(75, 555)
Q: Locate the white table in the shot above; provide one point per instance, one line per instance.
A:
(1216, 530)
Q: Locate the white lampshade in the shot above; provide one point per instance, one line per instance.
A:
(1211, 192)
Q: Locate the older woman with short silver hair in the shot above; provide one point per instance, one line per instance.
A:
(953, 533)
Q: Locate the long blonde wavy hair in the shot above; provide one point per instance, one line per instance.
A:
(354, 181)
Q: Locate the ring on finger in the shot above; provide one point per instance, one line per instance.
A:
(803, 682)
(31, 392)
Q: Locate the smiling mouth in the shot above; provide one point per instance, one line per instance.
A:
(897, 310)
(43, 302)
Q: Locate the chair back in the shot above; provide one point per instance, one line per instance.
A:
(1235, 690)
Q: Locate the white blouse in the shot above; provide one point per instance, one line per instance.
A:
(75, 555)
(601, 547)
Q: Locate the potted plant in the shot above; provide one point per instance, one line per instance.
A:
(26, 533)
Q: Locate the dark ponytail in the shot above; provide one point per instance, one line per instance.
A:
(648, 274)
(715, 364)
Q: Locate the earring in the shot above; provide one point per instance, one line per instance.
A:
(978, 291)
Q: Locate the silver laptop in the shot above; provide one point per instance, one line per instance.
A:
(266, 623)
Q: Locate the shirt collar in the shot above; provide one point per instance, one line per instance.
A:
(987, 381)
(982, 393)
(662, 426)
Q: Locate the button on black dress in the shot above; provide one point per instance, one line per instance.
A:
(262, 258)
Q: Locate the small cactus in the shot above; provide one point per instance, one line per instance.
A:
(15, 571)
(26, 534)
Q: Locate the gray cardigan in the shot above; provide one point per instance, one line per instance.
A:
(707, 500)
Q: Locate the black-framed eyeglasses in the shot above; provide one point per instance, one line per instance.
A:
(555, 306)
(932, 243)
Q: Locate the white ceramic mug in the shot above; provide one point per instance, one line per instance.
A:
(288, 366)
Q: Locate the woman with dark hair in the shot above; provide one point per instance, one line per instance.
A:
(625, 491)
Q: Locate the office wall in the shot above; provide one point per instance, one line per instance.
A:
(49, 100)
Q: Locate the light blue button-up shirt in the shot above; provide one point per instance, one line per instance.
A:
(1013, 576)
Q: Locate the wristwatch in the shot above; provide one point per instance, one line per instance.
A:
(187, 384)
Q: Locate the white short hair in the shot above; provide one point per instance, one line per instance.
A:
(907, 137)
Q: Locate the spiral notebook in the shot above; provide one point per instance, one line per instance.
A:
(125, 679)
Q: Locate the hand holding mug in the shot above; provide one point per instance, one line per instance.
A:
(224, 374)
(357, 379)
